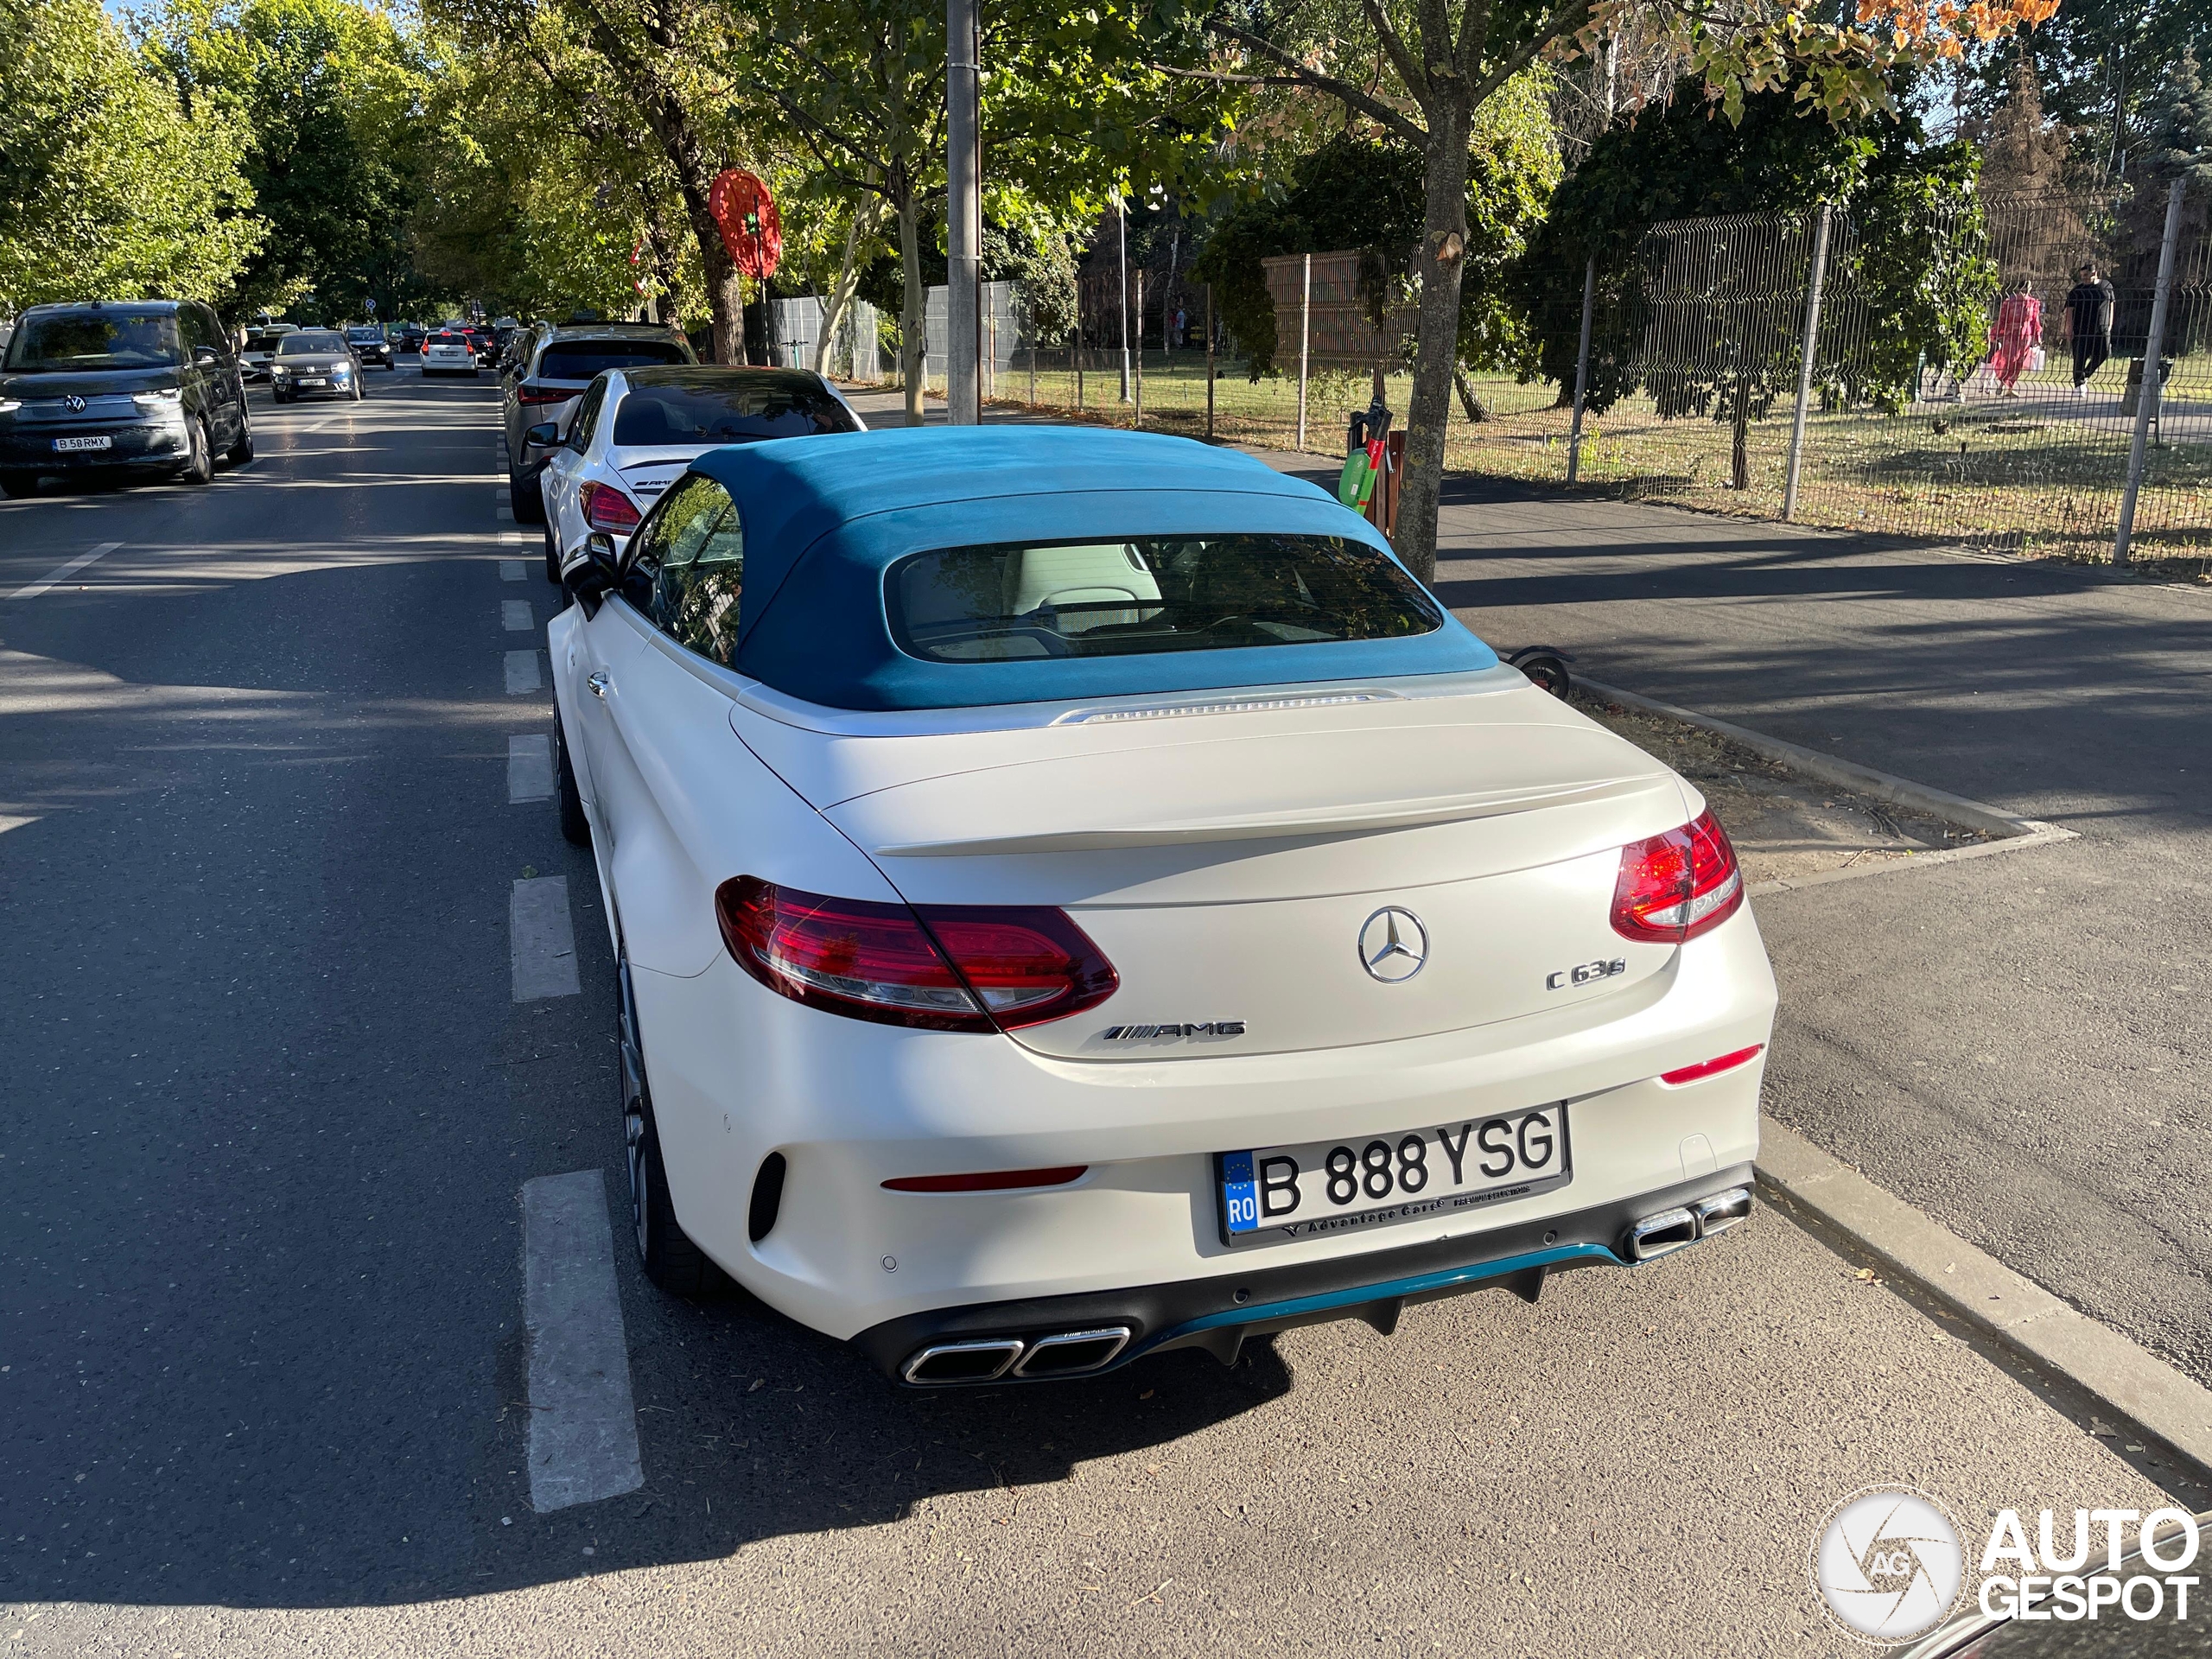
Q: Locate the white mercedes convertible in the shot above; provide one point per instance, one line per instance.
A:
(1076, 895)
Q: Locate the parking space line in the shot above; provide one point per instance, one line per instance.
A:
(529, 768)
(522, 672)
(61, 573)
(515, 617)
(541, 943)
(509, 569)
(583, 1422)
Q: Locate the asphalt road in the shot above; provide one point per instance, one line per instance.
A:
(264, 1386)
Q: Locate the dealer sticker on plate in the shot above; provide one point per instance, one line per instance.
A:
(1275, 1193)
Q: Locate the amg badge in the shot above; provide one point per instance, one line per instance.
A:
(1586, 974)
(1139, 1033)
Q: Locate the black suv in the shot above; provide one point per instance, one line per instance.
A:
(562, 363)
(370, 345)
(138, 383)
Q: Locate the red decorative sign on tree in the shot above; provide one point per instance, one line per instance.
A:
(746, 214)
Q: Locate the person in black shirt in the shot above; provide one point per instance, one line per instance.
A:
(2088, 324)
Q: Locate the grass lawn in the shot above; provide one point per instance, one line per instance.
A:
(2040, 474)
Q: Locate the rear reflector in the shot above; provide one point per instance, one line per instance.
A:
(1711, 1068)
(941, 968)
(1674, 887)
(994, 1180)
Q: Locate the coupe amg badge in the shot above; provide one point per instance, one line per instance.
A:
(1586, 973)
(1207, 1028)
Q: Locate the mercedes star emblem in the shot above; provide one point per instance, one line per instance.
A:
(1393, 946)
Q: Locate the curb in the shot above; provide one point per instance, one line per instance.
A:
(2140, 1389)
(1845, 774)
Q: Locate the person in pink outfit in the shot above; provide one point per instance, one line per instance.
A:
(2018, 331)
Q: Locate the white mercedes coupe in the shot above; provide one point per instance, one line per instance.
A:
(635, 431)
(1077, 896)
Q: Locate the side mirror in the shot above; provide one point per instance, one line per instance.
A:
(595, 575)
(543, 436)
(204, 354)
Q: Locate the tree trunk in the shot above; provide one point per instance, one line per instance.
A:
(1440, 265)
(912, 305)
(1477, 409)
(848, 278)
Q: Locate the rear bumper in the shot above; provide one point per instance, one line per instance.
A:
(1218, 1313)
(738, 1073)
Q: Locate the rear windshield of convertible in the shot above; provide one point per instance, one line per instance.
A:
(1148, 595)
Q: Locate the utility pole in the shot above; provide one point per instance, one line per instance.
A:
(2146, 400)
(964, 217)
(1122, 216)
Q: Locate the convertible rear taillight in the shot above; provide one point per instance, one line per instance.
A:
(1674, 887)
(941, 967)
(607, 508)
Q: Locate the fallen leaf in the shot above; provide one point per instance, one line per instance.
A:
(1865, 1276)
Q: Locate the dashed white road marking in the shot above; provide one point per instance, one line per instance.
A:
(529, 768)
(515, 617)
(509, 569)
(61, 573)
(583, 1422)
(522, 672)
(541, 943)
(503, 515)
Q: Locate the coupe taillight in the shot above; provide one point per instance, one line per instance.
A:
(1674, 887)
(940, 967)
(607, 508)
(537, 396)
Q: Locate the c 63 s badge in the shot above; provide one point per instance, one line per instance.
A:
(1587, 973)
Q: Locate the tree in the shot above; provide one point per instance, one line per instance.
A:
(1446, 59)
(109, 187)
(332, 92)
(1365, 192)
(1731, 282)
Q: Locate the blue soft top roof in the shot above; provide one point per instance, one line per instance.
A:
(825, 516)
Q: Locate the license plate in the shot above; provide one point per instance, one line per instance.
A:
(311, 380)
(1275, 1193)
(76, 445)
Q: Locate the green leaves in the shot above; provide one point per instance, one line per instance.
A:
(108, 188)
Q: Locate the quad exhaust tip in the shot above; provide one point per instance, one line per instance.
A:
(1065, 1353)
(1680, 1228)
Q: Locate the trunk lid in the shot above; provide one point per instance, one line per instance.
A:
(1234, 868)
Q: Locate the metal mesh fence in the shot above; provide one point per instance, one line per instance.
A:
(1696, 357)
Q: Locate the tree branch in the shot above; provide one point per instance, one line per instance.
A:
(1357, 97)
(1568, 17)
(1414, 74)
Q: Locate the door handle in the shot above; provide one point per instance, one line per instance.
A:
(598, 683)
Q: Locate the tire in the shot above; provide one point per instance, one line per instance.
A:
(576, 827)
(242, 451)
(199, 468)
(359, 393)
(524, 499)
(18, 485)
(670, 1260)
(278, 395)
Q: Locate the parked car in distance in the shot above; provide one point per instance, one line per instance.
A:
(261, 339)
(1080, 897)
(636, 430)
(148, 384)
(371, 345)
(315, 362)
(449, 351)
(562, 363)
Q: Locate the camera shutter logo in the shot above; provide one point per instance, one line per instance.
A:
(1888, 1564)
